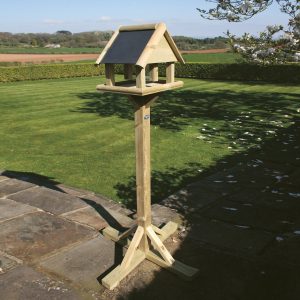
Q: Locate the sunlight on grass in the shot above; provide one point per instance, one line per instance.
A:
(67, 131)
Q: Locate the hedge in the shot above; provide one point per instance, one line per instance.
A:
(277, 73)
(272, 73)
(35, 72)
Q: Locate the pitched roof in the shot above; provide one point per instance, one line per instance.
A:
(139, 44)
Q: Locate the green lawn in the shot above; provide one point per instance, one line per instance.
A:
(66, 131)
(213, 58)
(17, 50)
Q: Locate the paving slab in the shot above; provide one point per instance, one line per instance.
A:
(285, 250)
(73, 191)
(226, 236)
(12, 186)
(88, 216)
(292, 179)
(31, 236)
(260, 217)
(7, 263)
(84, 263)
(162, 215)
(191, 199)
(271, 198)
(109, 211)
(25, 283)
(107, 203)
(10, 209)
(49, 200)
(3, 178)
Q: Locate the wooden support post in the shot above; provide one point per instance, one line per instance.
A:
(143, 181)
(170, 72)
(140, 77)
(128, 72)
(154, 72)
(109, 74)
(146, 234)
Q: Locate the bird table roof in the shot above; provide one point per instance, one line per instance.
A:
(140, 45)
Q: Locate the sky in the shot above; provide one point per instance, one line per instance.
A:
(181, 17)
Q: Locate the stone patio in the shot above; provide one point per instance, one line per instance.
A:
(244, 238)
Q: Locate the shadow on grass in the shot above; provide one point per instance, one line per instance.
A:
(176, 109)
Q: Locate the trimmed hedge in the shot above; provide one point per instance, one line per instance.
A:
(273, 73)
(35, 72)
(278, 73)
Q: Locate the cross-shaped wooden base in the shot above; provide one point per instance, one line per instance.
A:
(134, 256)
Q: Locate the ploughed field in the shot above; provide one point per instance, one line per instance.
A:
(65, 130)
(45, 58)
(19, 55)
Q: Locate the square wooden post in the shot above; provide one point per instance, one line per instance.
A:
(170, 72)
(154, 72)
(128, 71)
(109, 74)
(140, 77)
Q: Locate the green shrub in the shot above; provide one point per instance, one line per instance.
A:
(35, 72)
(276, 73)
(243, 72)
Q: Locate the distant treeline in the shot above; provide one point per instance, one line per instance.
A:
(187, 43)
(94, 39)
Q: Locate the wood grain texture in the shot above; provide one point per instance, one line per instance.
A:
(109, 75)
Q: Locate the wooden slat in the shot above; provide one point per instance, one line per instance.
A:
(140, 92)
(138, 27)
(169, 229)
(184, 271)
(157, 243)
(174, 47)
(153, 42)
(133, 246)
(112, 280)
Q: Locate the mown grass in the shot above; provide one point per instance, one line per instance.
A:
(214, 58)
(66, 131)
(17, 50)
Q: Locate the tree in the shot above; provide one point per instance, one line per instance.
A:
(265, 48)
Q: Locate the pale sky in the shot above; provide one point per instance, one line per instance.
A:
(181, 17)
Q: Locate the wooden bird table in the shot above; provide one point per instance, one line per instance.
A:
(147, 241)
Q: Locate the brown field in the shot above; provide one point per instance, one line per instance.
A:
(44, 58)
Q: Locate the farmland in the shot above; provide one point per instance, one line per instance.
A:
(42, 50)
(216, 58)
(64, 130)
(13, 58)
